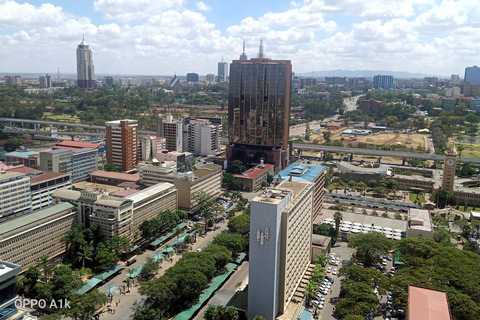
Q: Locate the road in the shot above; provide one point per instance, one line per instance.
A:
(124, 310)
(351, 103)
(228, 290)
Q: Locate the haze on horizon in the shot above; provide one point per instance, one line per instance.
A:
(167, 36)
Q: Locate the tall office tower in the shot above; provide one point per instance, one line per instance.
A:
(192, 77)
(42, 81)
(48, 79)
(454, 78)
(13, 80)
(172, 131)
(243, 56)
(259, 111)
(122, 141)
(210, 77)
(85, 68)
(448, 178)
(280, 246)
(472, 75)
(222, 71)
(383, 82)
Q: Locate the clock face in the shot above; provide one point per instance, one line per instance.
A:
(450, 162)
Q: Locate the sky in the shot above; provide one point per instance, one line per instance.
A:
(163, 37)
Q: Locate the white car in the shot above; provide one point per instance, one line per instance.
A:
(335, 271)
(384, 262)
(320, 306)
(329, 269)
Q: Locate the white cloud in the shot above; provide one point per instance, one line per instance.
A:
(15, 15)
(134, 10)
(202, 6)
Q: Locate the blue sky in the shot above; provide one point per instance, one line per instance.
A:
(160, 37)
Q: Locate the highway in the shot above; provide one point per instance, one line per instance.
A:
(381, 153)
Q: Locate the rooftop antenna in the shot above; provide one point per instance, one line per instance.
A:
(58, 74)
(243, 56)
(243, 45)
(261, 55)
(222, 59)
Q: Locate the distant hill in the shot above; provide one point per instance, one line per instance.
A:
(367, 74)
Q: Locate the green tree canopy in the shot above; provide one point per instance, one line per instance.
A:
(239, 224)
(370, 246)
(232, 241)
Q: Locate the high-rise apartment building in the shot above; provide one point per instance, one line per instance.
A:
(172, 130)
(45, 81)
(13, 80)
(454, 78)
(280, 246)
(122, 144)
(259, 111)
(222, 71)
(472, 75)
(78, 162)
(210, 77)
(85, 68)
(200, 136)
(15, 197)
(383, 82)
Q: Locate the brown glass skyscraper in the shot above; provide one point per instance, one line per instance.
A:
(259, 110)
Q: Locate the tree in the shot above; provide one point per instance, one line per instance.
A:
(370, 246)
(442, 235)
(229, 182)
(239, 224)
(233, 242)
(439, 221)
(221, 313)
(460, 148)
(236, 167)
(110, 167)
(259, 318)
(471, 246)
(83, 306)
(326, 229)
(85, 253)
(321, 260)
(150, 268)
(72, 239)
(337, 216)
(327, 135)
(13, 144)
(310, 291)
(220, 254)
(464, 225)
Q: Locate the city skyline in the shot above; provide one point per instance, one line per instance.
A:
(152, 37)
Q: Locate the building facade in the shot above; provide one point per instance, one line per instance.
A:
(85, 68)
(15, 196)
(13, 80)
(172, 131)
(472, 75)
(450, 161)
(25, 157)
(254, 178)
(8, 291)
(259, 111)
(25, 239)
(192, 77)
(200, 136)
(80, 163)
(42, 187)
(280, 246)
(122, 144)
(222, 71)
(383, 82)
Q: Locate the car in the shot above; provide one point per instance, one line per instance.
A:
(315, 302)
(336, 245)
(329, 269)
(335, 271)
(320, 306)
(389, 258)
(320, 297)
(329, 279)
(384, 262)
(196, 218)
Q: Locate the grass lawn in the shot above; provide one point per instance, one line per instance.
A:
(61, 117)
(462, 208)
(413, 197)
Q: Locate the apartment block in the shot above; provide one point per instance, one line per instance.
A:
(122, 144)
(172, 130)
(280, 246)
(200, 136)
(15, 196)
(23, 240)
(80, 163)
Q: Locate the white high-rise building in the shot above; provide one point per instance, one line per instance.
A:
(85, 68)
(222, 71)
(280, 246)
(15, 195)
(200, 136)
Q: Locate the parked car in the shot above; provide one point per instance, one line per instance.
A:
(335, 271)
(329, 269)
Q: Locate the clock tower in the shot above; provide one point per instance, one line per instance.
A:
(449, 168)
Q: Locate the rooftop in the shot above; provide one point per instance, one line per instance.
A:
(76, 144)
(125, 193)
(148, 192)
(254, 172)
(9, 268)
(27, 219)
(23, 169)
(84, 185)
(22, 154)
(276, 195)
(300, 172)
(5, 176)
(419, 220)
(46, 176)
(116, 175)
(427, 304)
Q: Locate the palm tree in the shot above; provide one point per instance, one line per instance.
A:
(310, 291)
(337, 216)
(72, 238)
(85, 253)
(321, 259)
(197, 228)
(460, 148)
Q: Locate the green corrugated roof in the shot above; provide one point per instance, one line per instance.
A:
(161, 239)
(169, 249)
(33, 217)
(89, 285)
(241, 257)
(181, 225)
(180, 239)
(135, 272)
(109, 272)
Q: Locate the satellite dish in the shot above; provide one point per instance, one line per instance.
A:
(269, 193)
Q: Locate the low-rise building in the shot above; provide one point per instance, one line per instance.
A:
(419, 224)
(80, 163)
(253, 178)
(113, 178)
(25, 157)
(42, 187)
(320, 245)
(8, 291)
(427, 304)
(23, 240)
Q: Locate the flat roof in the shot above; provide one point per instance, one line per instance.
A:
(116, 175)
(47, 175)
(22, 169)
(29, 218)
(76, 144)
(125, 193)
(419, 220)
(22, 154)
(427, 304)
(9, 268)
(254, 172)
(67, 194)
(301, 172)
(84, 185)
(148, 192)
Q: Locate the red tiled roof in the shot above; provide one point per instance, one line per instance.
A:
(47, 175)
(22, 169)
(427, 304)
(254, 172)
(76, 144)
(116, 175)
